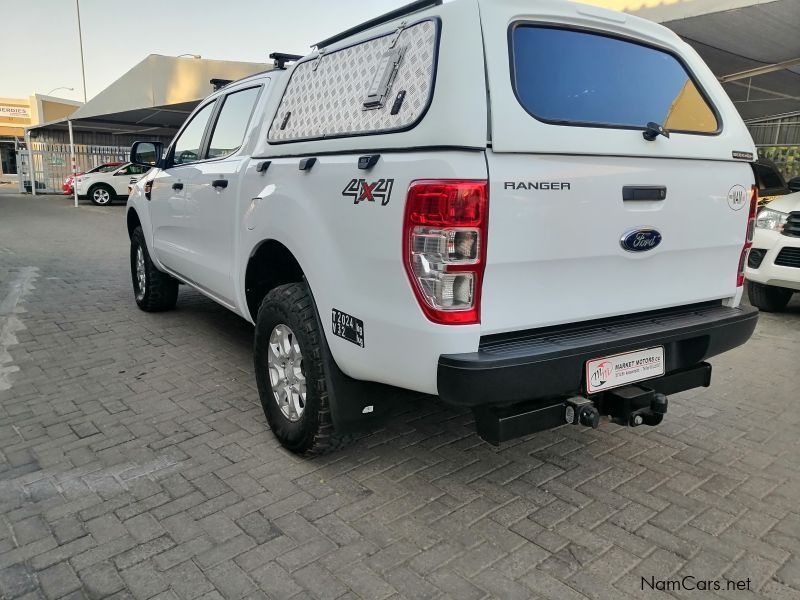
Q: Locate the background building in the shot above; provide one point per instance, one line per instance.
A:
(17, 114)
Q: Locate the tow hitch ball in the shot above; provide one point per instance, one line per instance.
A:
(631, 405)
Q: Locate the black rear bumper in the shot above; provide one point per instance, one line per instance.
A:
(549, 363)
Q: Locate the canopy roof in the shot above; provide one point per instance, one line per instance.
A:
(155, 96)
(753, 47)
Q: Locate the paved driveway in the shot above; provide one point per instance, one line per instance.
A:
(135, 462)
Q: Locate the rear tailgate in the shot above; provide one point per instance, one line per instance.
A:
(569, 167)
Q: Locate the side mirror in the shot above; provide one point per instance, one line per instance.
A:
(794, 184)
(147, 154)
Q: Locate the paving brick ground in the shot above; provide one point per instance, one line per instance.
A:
(135, 463)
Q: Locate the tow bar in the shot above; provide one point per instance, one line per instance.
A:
(633, 405)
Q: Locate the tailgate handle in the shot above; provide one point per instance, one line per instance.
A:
(644, 192)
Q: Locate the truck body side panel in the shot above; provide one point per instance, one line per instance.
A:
(350, 249)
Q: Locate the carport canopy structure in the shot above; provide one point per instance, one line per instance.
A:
(155, 96)
(752, 46)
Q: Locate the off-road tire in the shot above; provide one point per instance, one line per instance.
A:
(160, 291)
(313, 434)
(768, 298)
(101, 186)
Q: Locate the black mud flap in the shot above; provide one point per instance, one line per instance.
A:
(356, 405)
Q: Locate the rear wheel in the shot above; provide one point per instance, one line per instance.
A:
(154, 291)
(290, 373)
(101, 194)
(768, 298)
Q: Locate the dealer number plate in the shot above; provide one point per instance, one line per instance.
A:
(348, 327)
(621, 369)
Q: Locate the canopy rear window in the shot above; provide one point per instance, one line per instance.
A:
(573, 77)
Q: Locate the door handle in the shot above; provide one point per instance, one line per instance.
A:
(177, 186)
(365, 163)
(219, 183)
(307, 163)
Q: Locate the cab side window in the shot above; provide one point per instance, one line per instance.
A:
(131, 170)
(187, 147)
(232, 122)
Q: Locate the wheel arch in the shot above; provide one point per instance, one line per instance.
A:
(271, 264)
(101, 184)
(133, 221)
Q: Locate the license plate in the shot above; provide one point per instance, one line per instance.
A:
(621, 369)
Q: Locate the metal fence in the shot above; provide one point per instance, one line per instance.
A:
(52, 164)
(784, 131)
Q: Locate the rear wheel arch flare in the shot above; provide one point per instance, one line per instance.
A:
(271, 264)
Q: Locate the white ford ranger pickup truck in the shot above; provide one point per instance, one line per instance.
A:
(536, 209)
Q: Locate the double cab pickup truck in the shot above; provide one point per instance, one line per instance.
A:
(535, 209)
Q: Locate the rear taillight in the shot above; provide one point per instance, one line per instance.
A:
(444, 247)
(748, 241)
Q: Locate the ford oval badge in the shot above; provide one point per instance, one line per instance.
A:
(640, 240)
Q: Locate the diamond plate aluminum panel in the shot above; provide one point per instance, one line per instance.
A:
(328, 102)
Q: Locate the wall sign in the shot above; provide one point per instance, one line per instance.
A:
(16, 112)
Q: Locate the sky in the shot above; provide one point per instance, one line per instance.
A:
(41, 48)
(42, 52)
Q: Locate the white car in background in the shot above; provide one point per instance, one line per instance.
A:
(773, 264)
(103, 187)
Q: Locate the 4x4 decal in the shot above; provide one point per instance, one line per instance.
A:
(361, 190)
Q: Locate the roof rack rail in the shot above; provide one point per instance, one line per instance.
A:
(281, 58)
(218, 84)
(390, 16)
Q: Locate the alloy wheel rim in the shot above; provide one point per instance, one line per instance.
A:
(101, 195)
(141, 273)
(285, 366)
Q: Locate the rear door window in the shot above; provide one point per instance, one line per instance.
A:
(232, 122)
(573, 77)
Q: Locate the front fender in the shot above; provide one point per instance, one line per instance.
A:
(138, 203)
